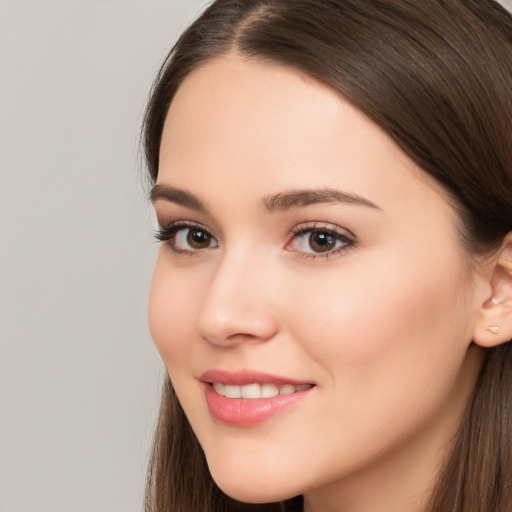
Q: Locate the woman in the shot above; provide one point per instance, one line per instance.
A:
(333, 294)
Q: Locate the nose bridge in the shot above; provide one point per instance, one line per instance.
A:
(238, 305)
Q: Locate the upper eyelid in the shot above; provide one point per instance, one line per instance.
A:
(166, 219)
(322, 226)
(161, 202)
(298, 228)
(179, 223)
(183, 223)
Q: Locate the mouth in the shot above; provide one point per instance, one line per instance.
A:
(256, 390)
(245, 398)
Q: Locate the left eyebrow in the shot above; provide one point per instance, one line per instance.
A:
(300, 198)
(177, 196)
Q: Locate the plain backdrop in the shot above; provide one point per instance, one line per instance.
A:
(79, 377)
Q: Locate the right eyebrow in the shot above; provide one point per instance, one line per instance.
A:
(177, 196)
(301, 198)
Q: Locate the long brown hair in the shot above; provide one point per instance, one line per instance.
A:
(436, 75)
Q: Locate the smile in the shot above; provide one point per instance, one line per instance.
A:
(247, 398)
(255, 390)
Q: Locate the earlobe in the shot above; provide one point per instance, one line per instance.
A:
(494, 322)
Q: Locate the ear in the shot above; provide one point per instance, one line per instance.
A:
(493, 325)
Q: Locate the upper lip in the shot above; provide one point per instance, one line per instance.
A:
(242, 377)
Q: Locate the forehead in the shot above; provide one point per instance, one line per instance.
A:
(248, 106)
(269, 128)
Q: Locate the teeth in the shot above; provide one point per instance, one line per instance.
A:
(232, 391)
(269, 390)
(286, 389)
(219, 387)
(252, 391)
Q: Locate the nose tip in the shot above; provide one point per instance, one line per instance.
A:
(233, 324)
(237, 309)
(227, 327)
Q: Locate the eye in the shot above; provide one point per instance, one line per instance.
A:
(315, 240)
(186, 238)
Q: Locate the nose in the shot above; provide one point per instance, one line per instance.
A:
(239, 305)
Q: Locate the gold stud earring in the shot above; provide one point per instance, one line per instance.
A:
(494, 329)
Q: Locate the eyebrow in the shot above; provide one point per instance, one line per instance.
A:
(177, 196)
(280, 202)
(300, 198)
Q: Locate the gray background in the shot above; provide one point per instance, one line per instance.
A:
(79, 377)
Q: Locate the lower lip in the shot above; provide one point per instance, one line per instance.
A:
(245, 412)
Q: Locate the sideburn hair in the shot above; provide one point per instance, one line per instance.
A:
(436, 75)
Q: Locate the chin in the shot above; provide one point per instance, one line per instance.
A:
(251, 488)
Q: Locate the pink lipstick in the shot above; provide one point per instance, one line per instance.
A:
(247, 398)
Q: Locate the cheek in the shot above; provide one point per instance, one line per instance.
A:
(388, 348)
(173, 300)
(371, 321)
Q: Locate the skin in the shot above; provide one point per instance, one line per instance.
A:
(383, 328)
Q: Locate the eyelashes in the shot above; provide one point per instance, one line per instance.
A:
(312, 240)
(186, 237)
(319, 240)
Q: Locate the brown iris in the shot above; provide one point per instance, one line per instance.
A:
(321, 241)
(198, 239)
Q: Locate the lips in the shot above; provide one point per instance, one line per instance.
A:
(248, 398)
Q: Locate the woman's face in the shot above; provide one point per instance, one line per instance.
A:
(306, 255)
